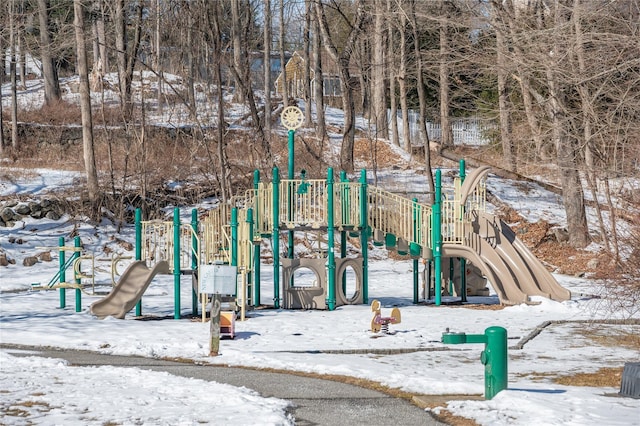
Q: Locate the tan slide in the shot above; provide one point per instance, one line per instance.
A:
(128, 291)
(513, 271)
(533, 276)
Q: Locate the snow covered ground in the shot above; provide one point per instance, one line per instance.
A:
(42, 391)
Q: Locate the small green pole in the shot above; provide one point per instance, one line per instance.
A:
(256, 247)
(463, 261)
(234, 236)
(139, 251)
(276, 238)
(63, 274)
(176, 263)
(344, 208)
(364, 236)
(195, 250)
(77, 244)
(250, 282)
(437, 239)
(290, 194)
(416, 281)
(331, 261)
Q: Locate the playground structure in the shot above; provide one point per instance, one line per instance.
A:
(456, 226)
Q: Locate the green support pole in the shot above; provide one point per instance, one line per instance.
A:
(256, 247)
(63, 274)
(234, 236)
(331, 261)
(437, 239)
(290, 176)
(290, 170)
(276, 238)
(463, 261)
(139, 251)
(195, 250)
(176, 263)
(364, 236)
(76, 255)
(416, 281)
(344, 208)
(249, 277)
(138, 234)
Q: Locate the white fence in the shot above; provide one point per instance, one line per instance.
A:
(466, 131)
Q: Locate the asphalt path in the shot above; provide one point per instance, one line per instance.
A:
(313, 401)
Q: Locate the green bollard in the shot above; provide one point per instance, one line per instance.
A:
(494, 357)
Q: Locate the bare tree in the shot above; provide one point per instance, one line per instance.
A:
(443, 66)
(342, 59)
(393, 100)
(13, 73)
(283, 64)
(85, 103)
(321, 128)
(379, 71)
(51, 84)
(503, 72)
(267, 69)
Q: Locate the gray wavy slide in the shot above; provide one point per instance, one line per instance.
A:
(128, 291)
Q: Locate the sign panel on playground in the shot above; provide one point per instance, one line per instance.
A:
(219, 279)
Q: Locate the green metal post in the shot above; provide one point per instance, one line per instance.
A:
(195, 250)
(463, 261)
(139, 251)
(416, 281)
(291, 169)
(437, 239)
(63, 274)
(290, 176)
(345, 205)
(256, 247)
(250, 282)
(276, 238)
(234, 236)
(494, 357)
(138, 234)
(331, 261)
(76, 255)
(176, 263)
(364, 235)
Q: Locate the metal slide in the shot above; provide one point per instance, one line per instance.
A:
(129, 289)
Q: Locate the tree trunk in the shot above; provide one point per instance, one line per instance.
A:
(402, 85)
(321, 127)
(283, 64)
(267, 70)
(508, 154)
(395, 136)
(566, 153)
(13, 76)
(51, 85)
(342, 59)
(378, 81)
(307, 63)
(85, 103)
(443, 66)
(121, 55)
(423, 102)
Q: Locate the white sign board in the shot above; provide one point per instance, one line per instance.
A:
(219, 279)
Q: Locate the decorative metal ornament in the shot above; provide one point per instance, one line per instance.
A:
(291, 117)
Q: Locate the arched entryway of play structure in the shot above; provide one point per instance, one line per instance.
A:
(314, 296)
